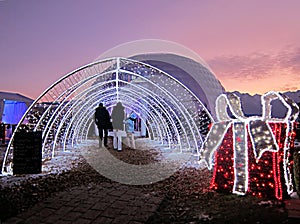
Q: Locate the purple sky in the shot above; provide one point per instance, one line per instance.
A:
(252, 46)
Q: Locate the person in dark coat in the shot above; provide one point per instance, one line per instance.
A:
(117, 116)
(102, 120)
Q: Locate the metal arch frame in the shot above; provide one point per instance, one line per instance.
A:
(86, 117)
(161, 106)
(66, 133)
(70, 89)
(88, 124)
(179, 105)
(171, 77)
(58, 82)
(57, 109)
(162, 122)
(184, 88)
(136, 110)
(91, 99)
(95, 86)
(77, 85)
(44, 94)
(123, 71)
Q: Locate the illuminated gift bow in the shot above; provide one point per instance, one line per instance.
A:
(262, 138)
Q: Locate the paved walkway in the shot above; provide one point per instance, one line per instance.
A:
(106, 203)
(97, 203)
(293, 208)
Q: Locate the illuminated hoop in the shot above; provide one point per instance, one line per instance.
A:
(64, 112)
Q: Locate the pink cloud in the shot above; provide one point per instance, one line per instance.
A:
(260, 71)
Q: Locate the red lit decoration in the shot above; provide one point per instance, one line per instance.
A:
(251, 160)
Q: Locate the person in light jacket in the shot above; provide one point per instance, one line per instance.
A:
(129, 128)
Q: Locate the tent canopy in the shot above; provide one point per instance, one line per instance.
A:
(12, 107)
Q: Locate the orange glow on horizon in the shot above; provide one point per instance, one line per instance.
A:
(275, 79)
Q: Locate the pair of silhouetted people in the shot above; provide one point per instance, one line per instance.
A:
(102, 120)
(103, 123)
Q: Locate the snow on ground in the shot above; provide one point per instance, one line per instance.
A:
(67, 160)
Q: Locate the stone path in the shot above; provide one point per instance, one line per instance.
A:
(95, 203)
(106, 202)
(293, 208)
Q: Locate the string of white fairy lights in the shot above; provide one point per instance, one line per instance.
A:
(257, 127)
(53, 112)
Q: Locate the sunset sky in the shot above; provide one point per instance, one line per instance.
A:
(252, 46)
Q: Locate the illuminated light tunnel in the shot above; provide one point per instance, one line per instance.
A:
(171, 113)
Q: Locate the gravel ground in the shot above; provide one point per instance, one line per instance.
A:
(187, 197)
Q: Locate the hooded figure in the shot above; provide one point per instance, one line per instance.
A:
(129, 122)
(129, 128)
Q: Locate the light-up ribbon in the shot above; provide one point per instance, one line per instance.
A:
(262, 138)
(291, 116)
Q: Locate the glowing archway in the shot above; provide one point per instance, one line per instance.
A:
(64, 112)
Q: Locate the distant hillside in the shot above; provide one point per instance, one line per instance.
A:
(252, 104)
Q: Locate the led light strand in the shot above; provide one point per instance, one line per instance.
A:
(265, 142)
